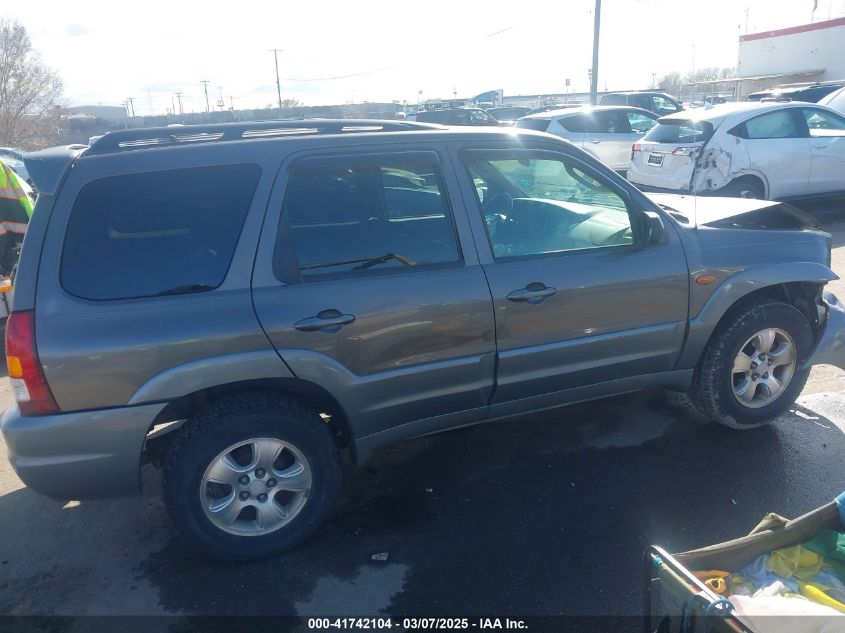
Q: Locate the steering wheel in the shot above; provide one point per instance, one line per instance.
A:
(487, 207)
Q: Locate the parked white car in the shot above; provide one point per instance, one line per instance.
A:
(747, 150)
(835, 100)
(606, 132)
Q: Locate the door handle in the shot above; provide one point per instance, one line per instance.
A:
(594, 141)
(533, 293)
(328, 321)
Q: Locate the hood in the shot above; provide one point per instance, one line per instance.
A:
(735, 213)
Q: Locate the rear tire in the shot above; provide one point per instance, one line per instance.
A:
(737, 388)
(747, 187)
(251, 476)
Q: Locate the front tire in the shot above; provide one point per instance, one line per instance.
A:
(749, 373)
(251, 476)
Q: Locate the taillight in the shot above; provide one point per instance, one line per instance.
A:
(683, 151)
(636, 147)
(25, 373)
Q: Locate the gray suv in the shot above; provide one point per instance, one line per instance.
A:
(241, 304)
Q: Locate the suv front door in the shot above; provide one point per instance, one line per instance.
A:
(579, 300)
(368, 285)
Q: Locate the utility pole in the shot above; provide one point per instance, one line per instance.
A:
(220, 103)
(594, 76)
(172, 105)
(150, 97)
(205, 83)
(276, 52)
(179, 99)
(131, 101)
(231, 103)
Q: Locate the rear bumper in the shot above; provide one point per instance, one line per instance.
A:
(80, 455)
(830, 349)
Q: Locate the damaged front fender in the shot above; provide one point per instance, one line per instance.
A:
(830, 348)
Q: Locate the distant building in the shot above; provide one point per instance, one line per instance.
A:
(805, 53)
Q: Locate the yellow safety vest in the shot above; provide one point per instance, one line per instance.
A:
(11, 189)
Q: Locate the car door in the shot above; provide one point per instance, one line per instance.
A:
(579, 300)
(368, 285)
(827, 148)
(778, 148)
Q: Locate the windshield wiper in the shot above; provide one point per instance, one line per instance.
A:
(363, 264)
(185, 289)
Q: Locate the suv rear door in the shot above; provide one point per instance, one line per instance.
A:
(578, 301)
(368, 285)
(778, 147)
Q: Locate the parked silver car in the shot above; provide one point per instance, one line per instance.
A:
(606, 132)
(240, 303)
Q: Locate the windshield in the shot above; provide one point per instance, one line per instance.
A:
(673, 131)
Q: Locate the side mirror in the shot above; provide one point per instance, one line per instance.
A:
(653, 231)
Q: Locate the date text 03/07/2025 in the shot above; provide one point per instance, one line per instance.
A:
(434, 624)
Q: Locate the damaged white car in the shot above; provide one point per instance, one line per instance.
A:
(746, 150)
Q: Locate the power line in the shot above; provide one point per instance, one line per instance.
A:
(361, 74)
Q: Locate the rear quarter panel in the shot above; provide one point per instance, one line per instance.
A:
(97, 354)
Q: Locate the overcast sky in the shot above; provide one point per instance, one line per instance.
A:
(337, 51)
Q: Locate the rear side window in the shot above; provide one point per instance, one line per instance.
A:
(541, 125)
(365, 218)
(675, 131)
(432, 116)
(165, 232)
(777, 124)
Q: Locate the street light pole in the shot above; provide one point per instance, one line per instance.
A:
(276, 52)
(594, 77)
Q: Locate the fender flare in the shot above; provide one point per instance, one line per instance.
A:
(210, 372)
(737, 286)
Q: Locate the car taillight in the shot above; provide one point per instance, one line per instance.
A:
(636, 147)
(25, 373)
(683, 151)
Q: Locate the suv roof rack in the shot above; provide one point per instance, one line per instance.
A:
(144, 138)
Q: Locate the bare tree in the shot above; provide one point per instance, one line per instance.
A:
(29, 91)
(673, 82)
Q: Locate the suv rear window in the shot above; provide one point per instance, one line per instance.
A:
(676, 131)
(165, 232)
(614, 100)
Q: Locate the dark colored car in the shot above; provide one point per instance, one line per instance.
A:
(456, 116)
(658, 102)
(812, 93)
(241, 303)
(507, 115)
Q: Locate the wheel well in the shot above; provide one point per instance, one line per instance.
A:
(751, 178)
(803, 295)
(158, 436)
